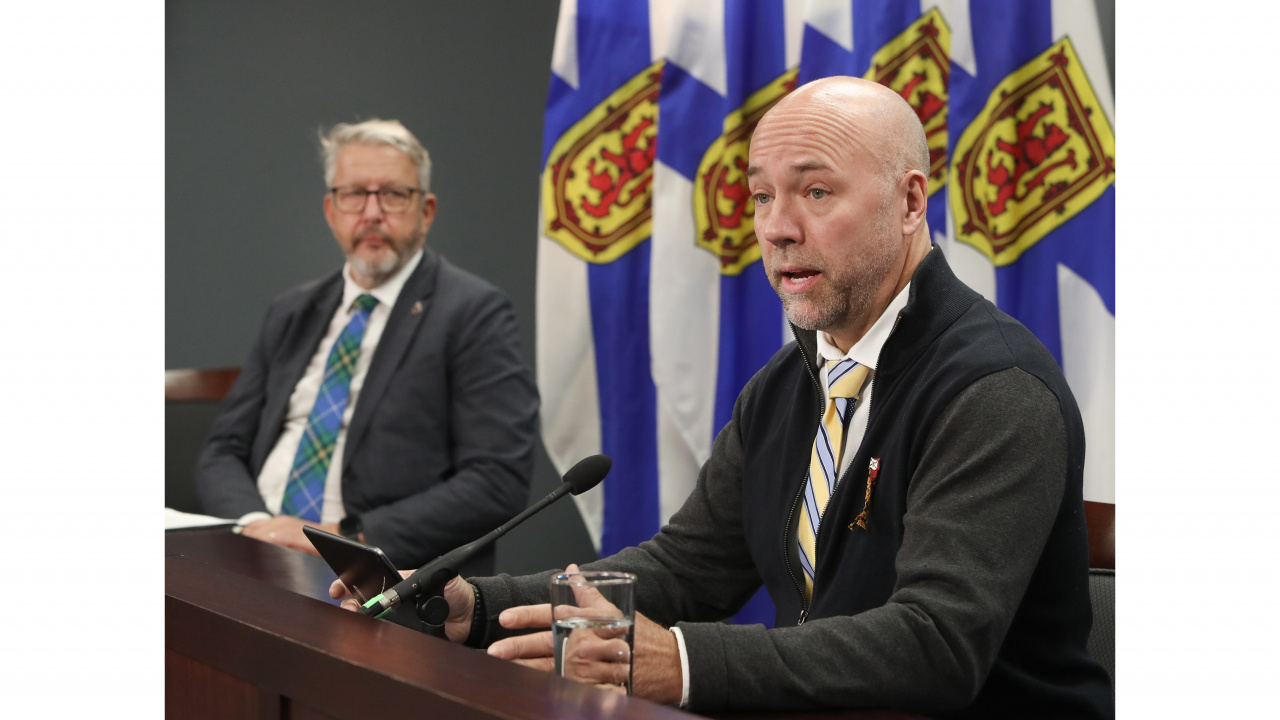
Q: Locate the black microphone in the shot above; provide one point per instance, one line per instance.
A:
(581, 477)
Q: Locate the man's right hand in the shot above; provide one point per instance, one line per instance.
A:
(656, 672)
(457, 593)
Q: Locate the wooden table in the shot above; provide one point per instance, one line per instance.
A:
(250, 632)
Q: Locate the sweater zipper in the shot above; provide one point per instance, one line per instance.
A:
(786, 553)
(817, 385)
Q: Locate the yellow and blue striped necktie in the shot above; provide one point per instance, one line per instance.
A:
(844, 386)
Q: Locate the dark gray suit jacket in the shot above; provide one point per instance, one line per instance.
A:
(440, 446)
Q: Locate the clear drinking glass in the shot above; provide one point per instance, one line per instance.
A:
(593, 626)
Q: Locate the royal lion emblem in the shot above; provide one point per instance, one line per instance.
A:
(1038, 154)
(596, 187)
(917, 65)
(722, 204)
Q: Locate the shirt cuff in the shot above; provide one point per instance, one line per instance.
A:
(684, 667)
(254, 516)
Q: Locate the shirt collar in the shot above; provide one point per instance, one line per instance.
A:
(867, 350)
(386, 293)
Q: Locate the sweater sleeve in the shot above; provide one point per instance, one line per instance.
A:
(979, 510)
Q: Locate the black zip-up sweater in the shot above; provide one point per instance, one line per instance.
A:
(966, 594)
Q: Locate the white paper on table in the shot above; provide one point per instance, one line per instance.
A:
(177, 520)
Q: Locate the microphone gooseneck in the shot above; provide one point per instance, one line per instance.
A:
(431, 578)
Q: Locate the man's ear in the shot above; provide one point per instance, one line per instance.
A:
(428, 210)
(328, 210)
(917, 190)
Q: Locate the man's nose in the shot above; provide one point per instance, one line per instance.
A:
(776, 224)
(372, 207)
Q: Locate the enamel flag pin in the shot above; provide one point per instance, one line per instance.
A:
(873, 471)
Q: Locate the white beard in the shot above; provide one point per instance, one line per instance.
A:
(377, 271)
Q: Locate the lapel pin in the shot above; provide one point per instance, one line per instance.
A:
(873, 471)
(417, 308)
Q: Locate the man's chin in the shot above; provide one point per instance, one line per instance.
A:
(802, 316)
(375, 269)
(808, 315)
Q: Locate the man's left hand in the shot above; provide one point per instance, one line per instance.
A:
(285, 530)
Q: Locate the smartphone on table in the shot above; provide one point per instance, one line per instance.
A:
(364, 569)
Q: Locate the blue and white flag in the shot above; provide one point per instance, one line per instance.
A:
(593, 262)
(1017, 105)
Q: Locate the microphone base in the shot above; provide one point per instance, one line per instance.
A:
(432, 612)
(429, 603)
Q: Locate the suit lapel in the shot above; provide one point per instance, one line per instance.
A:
(402, 325)
(302, 335)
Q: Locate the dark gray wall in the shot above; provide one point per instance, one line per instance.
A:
(1107, 25)
(247, 86)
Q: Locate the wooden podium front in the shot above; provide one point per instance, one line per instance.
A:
(250, 633)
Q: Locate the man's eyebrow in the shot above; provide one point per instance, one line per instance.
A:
(801, 169)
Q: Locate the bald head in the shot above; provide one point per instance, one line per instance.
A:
(872, 116)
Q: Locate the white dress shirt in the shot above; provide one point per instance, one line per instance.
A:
(274, 476)
(866, 352)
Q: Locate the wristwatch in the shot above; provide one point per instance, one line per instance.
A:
(351, 527)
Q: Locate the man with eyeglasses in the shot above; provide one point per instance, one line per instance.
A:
(388, 402)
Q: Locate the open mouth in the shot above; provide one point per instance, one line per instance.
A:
(799, 280)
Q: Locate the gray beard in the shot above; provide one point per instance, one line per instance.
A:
(376, 273)
(852, 296)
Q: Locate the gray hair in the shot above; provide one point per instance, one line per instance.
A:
(375, 132)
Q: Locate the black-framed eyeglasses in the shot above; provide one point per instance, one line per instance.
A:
(392, 199)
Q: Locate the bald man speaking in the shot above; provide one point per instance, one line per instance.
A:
(905, 479)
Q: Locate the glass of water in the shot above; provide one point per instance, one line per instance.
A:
(593, 626)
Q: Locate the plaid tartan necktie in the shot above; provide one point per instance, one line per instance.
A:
(844, 385)
(304, 493)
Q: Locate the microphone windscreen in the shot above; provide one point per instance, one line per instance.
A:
(588, 473)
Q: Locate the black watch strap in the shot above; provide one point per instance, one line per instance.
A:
(351, 527)
(478, 619)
